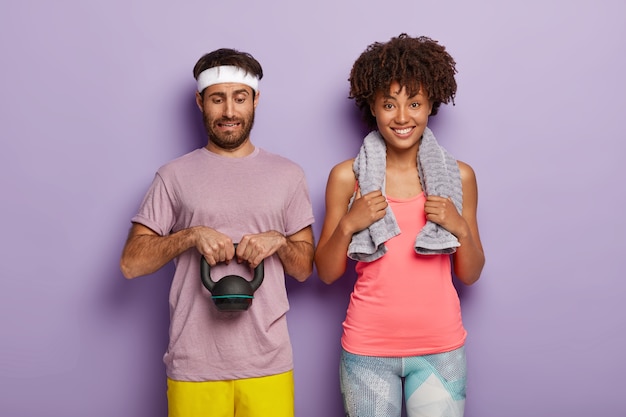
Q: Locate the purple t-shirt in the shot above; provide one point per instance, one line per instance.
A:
(235, 196)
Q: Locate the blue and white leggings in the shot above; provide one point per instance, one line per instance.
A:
(434, 385)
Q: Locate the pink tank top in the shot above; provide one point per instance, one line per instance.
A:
(404, 304)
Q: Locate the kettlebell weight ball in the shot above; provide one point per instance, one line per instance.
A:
(232, 292)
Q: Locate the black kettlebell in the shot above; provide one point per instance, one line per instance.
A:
(232, 292)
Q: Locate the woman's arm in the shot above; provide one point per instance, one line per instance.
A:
(469, 258)
(340, 223)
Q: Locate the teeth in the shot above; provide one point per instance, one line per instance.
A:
(403, 131)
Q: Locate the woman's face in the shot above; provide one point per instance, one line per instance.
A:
(401, 119)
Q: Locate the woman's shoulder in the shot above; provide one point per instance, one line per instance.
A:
(341, 178)
(344, 166)
(468, 179)
(343, 171)
(467, 172)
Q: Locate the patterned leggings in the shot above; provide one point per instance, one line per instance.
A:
(434, 385)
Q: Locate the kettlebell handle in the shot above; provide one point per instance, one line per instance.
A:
(205, 274)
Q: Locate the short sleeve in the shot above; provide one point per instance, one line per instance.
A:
(157, 210)
(299, 212)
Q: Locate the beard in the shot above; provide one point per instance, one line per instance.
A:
(228, 141)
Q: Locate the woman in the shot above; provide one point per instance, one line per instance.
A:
(405, 210)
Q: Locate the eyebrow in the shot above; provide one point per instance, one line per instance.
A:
(236, 92)
(391, 97)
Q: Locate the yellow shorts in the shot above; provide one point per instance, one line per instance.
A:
(252, 397)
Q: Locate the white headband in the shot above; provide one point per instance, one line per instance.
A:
(226, 74)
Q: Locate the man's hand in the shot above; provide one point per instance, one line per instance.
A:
(254, 248)
(216, 247)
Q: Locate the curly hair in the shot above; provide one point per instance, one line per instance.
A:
(227, 56)
(415, 63)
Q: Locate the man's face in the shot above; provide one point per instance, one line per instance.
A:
(228, 114)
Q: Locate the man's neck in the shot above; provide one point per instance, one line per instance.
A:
(245, 149)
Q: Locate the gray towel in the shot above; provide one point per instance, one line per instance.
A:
(369, 168)
(439, 175)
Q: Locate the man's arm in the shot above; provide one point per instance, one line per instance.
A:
(297, 254)
(146, 251)
(295, 251)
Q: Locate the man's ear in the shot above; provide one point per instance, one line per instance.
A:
(199, 101)
(256, 98)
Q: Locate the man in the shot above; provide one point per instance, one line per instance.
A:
(228, 193)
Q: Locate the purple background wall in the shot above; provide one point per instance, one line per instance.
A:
(96, 95)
